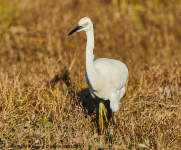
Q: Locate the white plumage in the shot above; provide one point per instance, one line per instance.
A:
(113, 76)
(106, 77)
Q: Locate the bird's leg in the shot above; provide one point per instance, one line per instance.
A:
(111, 129)
(102, 111)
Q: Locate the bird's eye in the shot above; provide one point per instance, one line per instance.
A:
(86, 24)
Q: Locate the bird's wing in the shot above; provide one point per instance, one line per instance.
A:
(119, 74)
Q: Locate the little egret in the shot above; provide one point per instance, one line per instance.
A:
(106, 77)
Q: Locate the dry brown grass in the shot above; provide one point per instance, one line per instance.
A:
(42, 103)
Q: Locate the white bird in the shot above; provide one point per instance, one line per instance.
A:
(106, 77)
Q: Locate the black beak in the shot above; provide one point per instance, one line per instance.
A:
(76, 29)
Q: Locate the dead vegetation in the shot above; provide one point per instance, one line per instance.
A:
(43, 97)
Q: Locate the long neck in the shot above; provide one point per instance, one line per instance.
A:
(91, 71)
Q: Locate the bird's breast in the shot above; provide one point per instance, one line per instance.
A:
(105, 92)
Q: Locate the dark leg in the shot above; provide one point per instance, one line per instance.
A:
(112, 118)
(111, 129)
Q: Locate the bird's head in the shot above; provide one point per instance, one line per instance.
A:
(85, 24)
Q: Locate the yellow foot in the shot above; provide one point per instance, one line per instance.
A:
(102, 111)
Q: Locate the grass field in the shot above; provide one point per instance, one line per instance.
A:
(43, 97)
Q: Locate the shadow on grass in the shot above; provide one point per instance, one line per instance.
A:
(89, 104)
(92, 105)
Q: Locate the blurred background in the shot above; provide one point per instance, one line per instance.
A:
(35, 48)
(136, 32)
